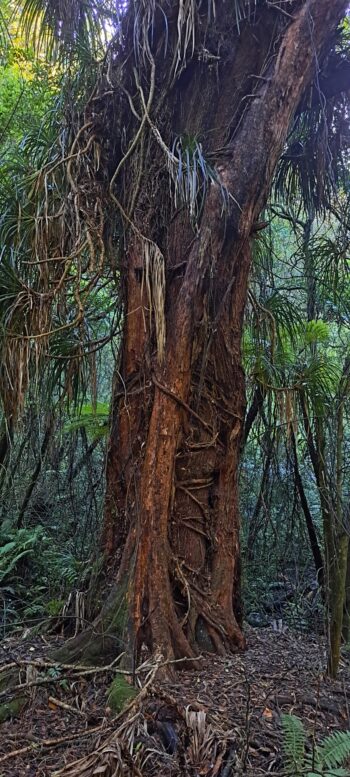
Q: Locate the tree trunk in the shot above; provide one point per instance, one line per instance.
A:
(346, 613)
(171, 531)
(314, 544)
(254, 523)
(49, 430)
(335, 535)
(6, 439)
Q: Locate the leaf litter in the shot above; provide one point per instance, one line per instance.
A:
(221, 721)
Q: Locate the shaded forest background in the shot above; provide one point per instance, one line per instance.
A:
(296, 351)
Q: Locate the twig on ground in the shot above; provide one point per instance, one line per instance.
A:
(65, 706)
(35, 746)
(133, 703)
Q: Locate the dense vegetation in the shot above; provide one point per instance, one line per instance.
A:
(63, 274)
(175, 382)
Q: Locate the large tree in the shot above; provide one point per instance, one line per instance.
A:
(169, 168)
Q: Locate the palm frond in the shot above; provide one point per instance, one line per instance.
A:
(62, 26)
(316, 332)
(286, 314)
(94, 419)
(313, 164)
(319, 379)
(5, 37)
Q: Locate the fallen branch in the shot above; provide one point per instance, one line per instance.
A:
(53, 742)
(65, 706)
(84, 669)
(127, 709)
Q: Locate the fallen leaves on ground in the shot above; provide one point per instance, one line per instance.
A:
(223, 720)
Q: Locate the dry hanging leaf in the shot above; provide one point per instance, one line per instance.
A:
(267, 714)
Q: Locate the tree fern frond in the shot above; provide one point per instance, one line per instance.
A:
(326, 759)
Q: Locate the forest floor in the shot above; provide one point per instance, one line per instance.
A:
(222, 720)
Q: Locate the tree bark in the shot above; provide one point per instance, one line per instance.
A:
(171, 531)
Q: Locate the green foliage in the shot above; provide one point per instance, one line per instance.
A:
(62, 564)
(294, 740)
(18, 545)
(54, 607)
(66, 28)
(34, 566)
(26, 84)
(296, 354)
(316, 332)
(333, 751)
(326, 759)
(92, 418)
(320, 375)
(13, 708)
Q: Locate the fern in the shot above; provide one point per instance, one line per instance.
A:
(23, 544)
(93, 419)
(33, 569)
(334, 750)
(63, 565)
(327, 757)
(293, 743)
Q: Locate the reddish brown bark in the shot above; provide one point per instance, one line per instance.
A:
(129, 416)
(172, 518)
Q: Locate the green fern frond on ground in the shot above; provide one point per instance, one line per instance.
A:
(294, 739)
(334, 749)
(326, 759)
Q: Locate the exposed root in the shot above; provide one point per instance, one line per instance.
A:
(153, 723)
(115, 751)
(105, 638)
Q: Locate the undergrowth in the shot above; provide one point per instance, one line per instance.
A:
(326, 759)
(37, 574)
